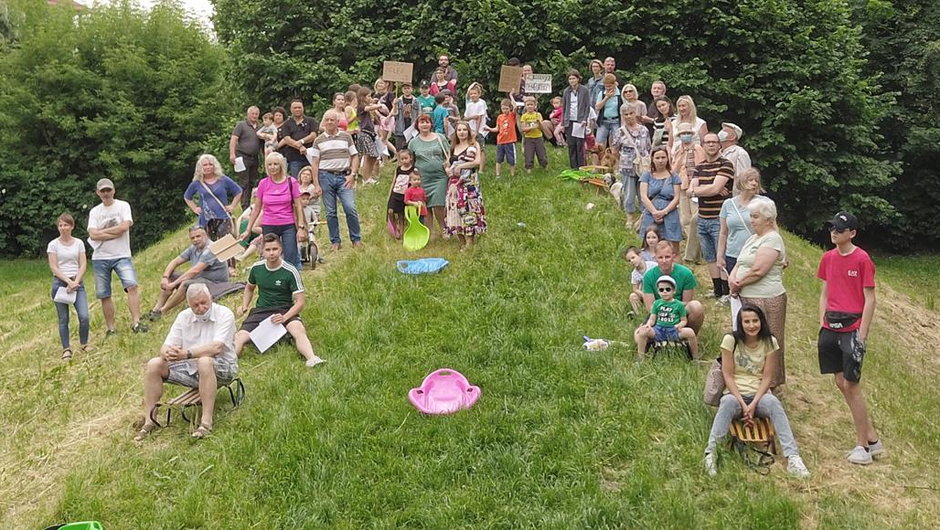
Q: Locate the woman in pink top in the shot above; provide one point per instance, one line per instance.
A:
(278, 205)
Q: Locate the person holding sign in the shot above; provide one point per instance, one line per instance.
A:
(280, 299)
(68, 263)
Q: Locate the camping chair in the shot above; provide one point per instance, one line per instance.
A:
(756, 443)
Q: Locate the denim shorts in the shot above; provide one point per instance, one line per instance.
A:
(185, 373)
(606, 127)
(666, 333)
(708, 238)
(103, 267)
(506, 152)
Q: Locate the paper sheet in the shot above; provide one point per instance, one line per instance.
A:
(267, 334)
(410, 132)
(63, 296)
(577, 129)
(239, 164)
(735, 309)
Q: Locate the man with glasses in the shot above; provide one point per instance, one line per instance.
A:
(712, 181)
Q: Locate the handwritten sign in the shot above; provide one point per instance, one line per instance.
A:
(538, 83)
(397, 72)
(510, 78)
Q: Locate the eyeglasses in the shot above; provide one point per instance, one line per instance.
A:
(665, 289)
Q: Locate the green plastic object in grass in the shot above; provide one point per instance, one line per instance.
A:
(416, 236)
(87, 525)
(575, 174)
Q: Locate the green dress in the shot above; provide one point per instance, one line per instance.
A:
(429, 161)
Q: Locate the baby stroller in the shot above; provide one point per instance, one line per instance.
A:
(309, 250)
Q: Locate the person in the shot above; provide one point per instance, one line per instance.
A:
(336, 159)
(846, 308)
(595, 83)
(729, 136)
(576, 109)
(277, 205)
(109, 227)
(533, 141)
(267, 134)
(657, 90)
(440, 82)
(659, 195)
(415, 196)
(218, 197)
(425, 99)
(450, 74)
(405, 109)
(280, 298)
(735, 220)
(685, 157)
(365, 138)
(632, 142)
(506, 138)
(294, 136)
(203, 268)
(247, 239)
(198, 353)
(757, 277)
(246, 144)
(748, 360)
(431, 150)
(396, 193)
(610, 67)
(684, 288)
(384, 96)
(551, 127)
(667, 320)
(466, 216)
(440, 113)
(67, 261)
(711, 183)
(339, 105)
(475, 112)
(686, 113)
(453, 113)
(517, 97)
(607, 104)
(662, 112)
(629, 96)
(640, 266)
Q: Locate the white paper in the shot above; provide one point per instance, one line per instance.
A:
(410, 132)
(577, 129)
(383, 148)
(735, 309)
(63, 296)
(94, 243)
(239, 164)
(267, 334)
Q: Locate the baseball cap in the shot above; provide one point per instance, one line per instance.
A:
(104, 184)
(667, 279)
(843, 221)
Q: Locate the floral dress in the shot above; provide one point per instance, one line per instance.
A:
(465, 213)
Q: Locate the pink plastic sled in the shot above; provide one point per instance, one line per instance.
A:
(444, 391)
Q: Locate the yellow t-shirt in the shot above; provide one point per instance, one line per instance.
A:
(527, 119)
(748, 363)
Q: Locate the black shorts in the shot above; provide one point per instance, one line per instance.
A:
(258, 314)
(841, 352)
(396, 203)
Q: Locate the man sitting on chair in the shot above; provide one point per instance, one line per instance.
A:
(199, 352)
(204, 268)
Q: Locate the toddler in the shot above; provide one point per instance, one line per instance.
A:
(640, 266)
(667, 321)
(415, 196)
(268, 133)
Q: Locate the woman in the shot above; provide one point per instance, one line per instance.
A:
(659, 194)
(576, 107)
(735, 218)
(632, 140)
(629, 96)
(431, 151)
(466, 216)
(218, 196)
(662, 122)
(441, 83)
(757, 278)
(687, 113)
(68, 263)
(596, 83)
(278, 205)
(749, 357)
(339, 105)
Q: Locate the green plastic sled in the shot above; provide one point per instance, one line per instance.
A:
(416, 236)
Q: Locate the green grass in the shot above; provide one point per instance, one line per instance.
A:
(915, 276)
(562, 438)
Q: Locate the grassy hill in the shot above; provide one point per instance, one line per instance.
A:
(562, 438)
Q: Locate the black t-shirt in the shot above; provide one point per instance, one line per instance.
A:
(297, 131)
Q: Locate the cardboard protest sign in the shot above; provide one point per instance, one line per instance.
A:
(397, 72)
(538, 83)
(225, 248)
(510, 78)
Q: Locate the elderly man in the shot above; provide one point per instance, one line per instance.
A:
(281, 297)
(246, 144)
(204, 267)
(729, 136)
(335, 161)
(294, 136)
(711, 183)
(657, 89)
(198, 353)
(443, 61)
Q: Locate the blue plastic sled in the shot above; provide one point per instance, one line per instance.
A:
(422, 266)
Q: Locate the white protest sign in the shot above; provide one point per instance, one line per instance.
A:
(538, 84)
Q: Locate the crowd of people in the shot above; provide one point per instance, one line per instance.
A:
(687, 183)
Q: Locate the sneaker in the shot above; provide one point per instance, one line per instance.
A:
(140, 327)
(796, 467)
(724, 299)
(876, 449)
(315, 361)
(110, 332)
(370, 182)
(154, 315)
(860, 456)
(711, 465)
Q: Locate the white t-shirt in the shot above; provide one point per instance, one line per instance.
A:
(636, 277)
(476, 108)
(573, 106)
(67, 255)
(102, 216)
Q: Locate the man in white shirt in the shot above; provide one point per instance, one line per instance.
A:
(199, 352)
(109, 225)
(729, 137)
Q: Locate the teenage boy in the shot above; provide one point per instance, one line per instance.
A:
(846, 307)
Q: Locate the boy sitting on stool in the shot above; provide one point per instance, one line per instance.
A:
(667, 320)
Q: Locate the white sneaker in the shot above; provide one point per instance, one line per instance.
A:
(796, 467)
(711, 465)
(724, 299)
(315, 361)
(876, 449)
(859, 456)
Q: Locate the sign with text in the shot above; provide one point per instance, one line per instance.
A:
(510, 78)
(538, 83)
(397, 72)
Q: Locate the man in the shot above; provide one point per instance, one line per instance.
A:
(729, 137)
(450, 74)
(846, 308)
(109, 225)
(335, 161)
(685, 285)
(281, 297)
(246, 144)
(204, 267)
(712, 181)
(610, 67)
(198, 353)
(294, 136)
(657, 89)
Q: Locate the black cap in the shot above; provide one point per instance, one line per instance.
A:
(843, 221)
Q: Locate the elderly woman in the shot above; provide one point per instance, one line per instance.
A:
(278, 206)
(630, 97)
(431, 150)
(757, 278)
(218, 196)
(735, 218)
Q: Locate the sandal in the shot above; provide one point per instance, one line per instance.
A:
(67, 354)
(87, 348)
(202, 431)
(145, 431)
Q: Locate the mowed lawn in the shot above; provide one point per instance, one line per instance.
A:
(561, 438)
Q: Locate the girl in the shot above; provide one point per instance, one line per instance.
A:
(748, 363)
(466, 216)
(306, 186)
(632, 140)
(396, 195)
(659, 193)
(68, 263)
(650, 239)
(475, 115)
(441, 83)
(365, 140)
(385, 97)
(662, 122)
(339, 105)
(551, 128)
(415, 196)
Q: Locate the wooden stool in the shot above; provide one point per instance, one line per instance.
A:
(759, 432)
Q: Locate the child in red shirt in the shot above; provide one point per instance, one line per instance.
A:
(415, 196)
(506, 137)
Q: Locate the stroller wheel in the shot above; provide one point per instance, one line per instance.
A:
(313, 253)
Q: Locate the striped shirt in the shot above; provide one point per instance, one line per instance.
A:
(706, 172)
(334, 151)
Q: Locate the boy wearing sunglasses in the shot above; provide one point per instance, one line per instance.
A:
(667, 320)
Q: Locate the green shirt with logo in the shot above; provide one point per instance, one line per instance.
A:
(276, 287)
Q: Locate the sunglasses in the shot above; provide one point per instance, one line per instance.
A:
(838, 230)
(665, 289)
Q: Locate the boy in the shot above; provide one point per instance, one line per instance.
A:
(505, 137)
(533, 144)
(440, 113)
(406, 110)
(667, 320)
(846, 307)
(425, 100)
(640, 266)
(453, 113)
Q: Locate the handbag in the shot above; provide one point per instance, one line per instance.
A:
(714, 384)
(231, 227)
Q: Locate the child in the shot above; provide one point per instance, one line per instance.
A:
(426, 100)
(366, 139)
(396, 195)
(667, 321)
(306, 184)
(439, 116)
(632, 255)
(533, 144)
(475, 114)
(505, 136)
(405, 110)
(250, 244)
(268, 133)
(650, 239)
(558, 130)
(414, 195)
(453, 113)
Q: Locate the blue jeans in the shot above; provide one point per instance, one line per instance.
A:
(294, 167)
(629, 191)
(334, 185)
(124, 268)
(768, 407)
(288, 235)
(708, 238)
(62, 311)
